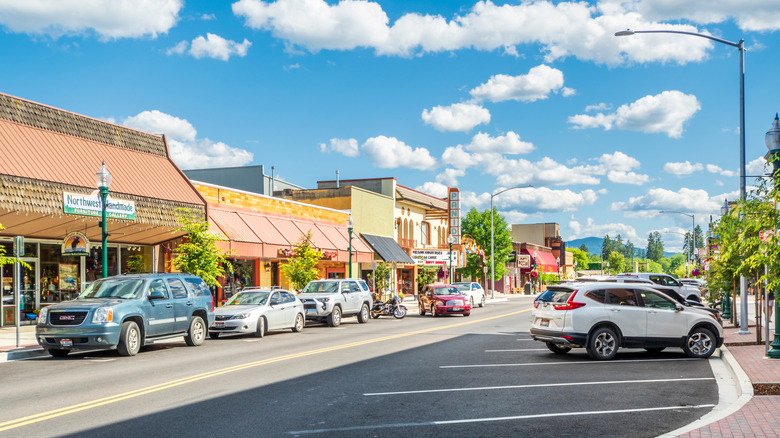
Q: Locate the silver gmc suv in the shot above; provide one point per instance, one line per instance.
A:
(330, 300)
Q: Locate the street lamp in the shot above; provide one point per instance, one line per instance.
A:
(492, 261)
(103, 181)
(724, 210)
(693, 230)
(350, 224)
(773, 144)
(451, 239)
(743, 322)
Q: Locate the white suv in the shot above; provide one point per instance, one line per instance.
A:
(603, 317)
(691, 293)
(474, 291)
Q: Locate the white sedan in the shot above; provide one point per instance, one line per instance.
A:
(474, 291)
(256, 311)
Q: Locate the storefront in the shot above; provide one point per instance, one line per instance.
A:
(49, 200)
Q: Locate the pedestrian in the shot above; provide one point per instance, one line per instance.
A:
(770, 302)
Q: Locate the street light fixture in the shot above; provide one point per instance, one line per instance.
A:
(693, 230)
(350, 224)
(103, 181)
(743, 322)
(492, 259)
(773, 144)
(451, 239)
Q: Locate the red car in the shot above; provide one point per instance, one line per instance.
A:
(444, 299)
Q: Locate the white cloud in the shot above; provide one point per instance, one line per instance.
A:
(347, 147)
(598, 107)
(108, 19)
(621, 177)
(591, 229)
(389, 152)
(456, 117)
(536, 85)
(450, 177)
(566, 91)
(757, 167)
(178, 49)
(533, 199)
(711, 168)
(509, 143)
(562, 29)
(684, 168)
(684, 199)
(208, 17)
(750, 15)
(188, 151)
(433, 189)
(663, 113)
(214, 46)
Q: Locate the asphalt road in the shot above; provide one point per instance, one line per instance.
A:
(420, 376)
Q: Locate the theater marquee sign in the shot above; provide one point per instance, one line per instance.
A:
(433, 257)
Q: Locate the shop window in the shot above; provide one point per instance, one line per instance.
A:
(425, 232)
(60, 276)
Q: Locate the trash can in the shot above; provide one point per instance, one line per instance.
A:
(527, 289)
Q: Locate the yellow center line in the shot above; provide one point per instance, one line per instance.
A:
(24, 421)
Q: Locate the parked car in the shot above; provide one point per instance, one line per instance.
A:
(689, 292)
(257, 311)
(603, 317)
(126, 312)
(474, 291)
(443, 299)
(330, 300)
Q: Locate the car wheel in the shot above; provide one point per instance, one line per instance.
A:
(57, 352)
(299, 323)
(655, 349)
(693, 298)
(260, 330)
(197, 332)
(334, 319)
(471, 300)
(700, 343)
(557, 349)
(421, 307)
(363, 315)
(603, 344)
(213, 335)
(129, 339)
(482, 301)
(467, 314)
(433, 311)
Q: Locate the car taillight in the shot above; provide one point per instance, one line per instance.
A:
(536, 304)
(570, 303)
(212, 303)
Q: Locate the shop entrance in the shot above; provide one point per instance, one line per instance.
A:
(28, 287)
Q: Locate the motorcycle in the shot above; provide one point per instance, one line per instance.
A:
(392, 307)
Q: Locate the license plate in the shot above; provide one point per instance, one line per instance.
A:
(457, 309)
(66, 342)
(544, 323)
(219, 324)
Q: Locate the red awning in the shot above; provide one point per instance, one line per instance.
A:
(544, 261)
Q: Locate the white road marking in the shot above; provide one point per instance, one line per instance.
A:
(484, 420)
(251, 340)
(526, 339)
(538, 385)
(592, 362)
(518, 349)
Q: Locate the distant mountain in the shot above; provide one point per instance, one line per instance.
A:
(594, 245)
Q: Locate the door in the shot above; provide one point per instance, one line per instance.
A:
(351, 297)
(160, 312)
(182, 305)
(275, 314)
(28, 292)
(663, 319)
(624, 310)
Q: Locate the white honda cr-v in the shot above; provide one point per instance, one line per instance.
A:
(603, 317)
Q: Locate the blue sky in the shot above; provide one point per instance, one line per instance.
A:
(483, 96)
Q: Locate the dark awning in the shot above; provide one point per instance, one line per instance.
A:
(388, 249)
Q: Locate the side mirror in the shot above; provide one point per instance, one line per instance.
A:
(678, 307)
(156, 295)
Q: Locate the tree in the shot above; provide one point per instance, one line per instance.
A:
(302, 267)
(580, 258)
(617, 263)
(425, 276)
(199, 254)
(606, 247)
(4, 260)
(655, 246)
(584, 248)
(381, 277)
(477, 225)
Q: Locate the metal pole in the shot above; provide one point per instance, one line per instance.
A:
(104, 199)
(743, 317)
(17, 298)
(450, 276)
(350, 252)
(492, 268)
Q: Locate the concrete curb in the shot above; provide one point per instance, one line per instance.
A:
(13, 355)
(744, 392)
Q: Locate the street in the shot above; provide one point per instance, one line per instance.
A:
(419, 376)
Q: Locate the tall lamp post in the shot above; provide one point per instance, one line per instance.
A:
(103, 181)
(492, 260)
(773, 144)
(350, 224)
(452, 239)
(724, 210)
(693, 231)
(743, 321)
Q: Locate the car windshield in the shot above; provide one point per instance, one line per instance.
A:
(463, 286)
(319, 287)
(447, 290)
(113, 288)
(248, 298)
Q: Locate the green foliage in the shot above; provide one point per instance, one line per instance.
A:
(617, 263)
(477, 225)
(199, 253)
(584, 248)
(4, 260)
(580, 258)
(135, 263)
(655, 246)
(425, 276)
(302, 267)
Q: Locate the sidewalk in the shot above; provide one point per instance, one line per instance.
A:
(759, 416)
(28, 346)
